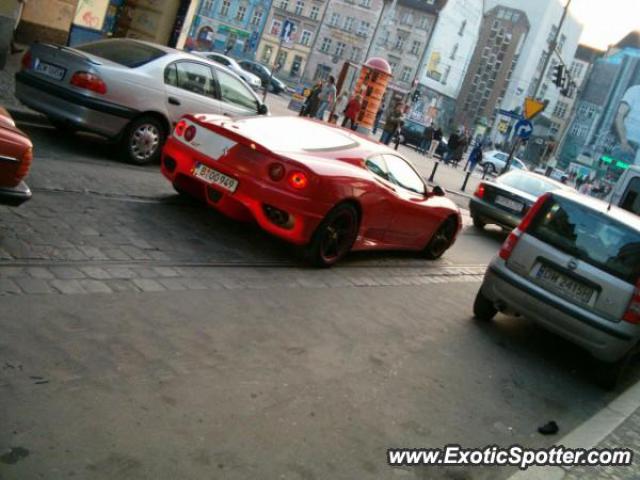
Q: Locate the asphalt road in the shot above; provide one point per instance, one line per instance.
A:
(145, 336)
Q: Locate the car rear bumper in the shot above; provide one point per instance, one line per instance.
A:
(14, 196)
(65, 105)
(488, 213)
(605, 340)
(250, 198)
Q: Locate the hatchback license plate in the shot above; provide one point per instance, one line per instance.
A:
(510, 204)
(49, 70)
(566, 286)
(215, 177)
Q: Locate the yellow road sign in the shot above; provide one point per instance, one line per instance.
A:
(532, 107)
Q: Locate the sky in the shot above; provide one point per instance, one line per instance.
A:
(605, 21)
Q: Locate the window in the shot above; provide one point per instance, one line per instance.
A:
(377, 166)
(305, 39)
(326, 45)
(124, 52)
(296, 66)
(322, 72)
(224, 9)
(207, 6)
(424, 22)
(275, 27)
(348, 23)
(560, 110)
(399, 43)
(407, 18)
(406, 74)
(192, 77)
(281, 59)
(445, 75)
(315, 11)
(340, 49)
(454, 50)
(365, 3)
(576, 69)
(266, 54)
(403, 175)
(631, 198)
(415, 47)
(335, 18)
(299, 7)
(284, 4)
(257, 17)
(356, 52)
(219, 59)
(242, 11)
(234, 91)
(462, 27)
(363, 29)
(393, 65)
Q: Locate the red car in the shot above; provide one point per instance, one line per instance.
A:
(311, 184)
(16, 153)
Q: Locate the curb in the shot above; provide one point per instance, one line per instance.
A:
(589, 434)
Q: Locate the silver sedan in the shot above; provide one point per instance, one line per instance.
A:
(128, 90)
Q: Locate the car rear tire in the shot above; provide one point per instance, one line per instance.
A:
(483, 308)
(334, 237)
(143, 140)
(441, 240)
(479, 224)
(608, 375)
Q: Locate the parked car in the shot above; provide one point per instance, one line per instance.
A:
(505, 200)
(277, 86)
(16, 154)
(494, 162)
(128, 90)
(312, 184)
(252, 80)
(412, 133)
(626, 192)
(572, 266)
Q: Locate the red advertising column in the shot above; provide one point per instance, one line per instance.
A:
(372, 84)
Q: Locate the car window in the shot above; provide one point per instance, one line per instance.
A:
(234, 91)
(190, 76)
(530, 184)
(631, 199)
(377, 166)
(591, 236)
(124, 52)
(221, 60)
(403, 174)
(501, 156)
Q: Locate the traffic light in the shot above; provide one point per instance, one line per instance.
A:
(558, 75)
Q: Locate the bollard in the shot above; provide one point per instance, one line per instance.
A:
(466, 179)
(484, 173)
(433, 172)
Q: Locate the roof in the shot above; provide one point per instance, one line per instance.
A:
(423, 5)
(623, 216)
(631, 40)
(588, 54)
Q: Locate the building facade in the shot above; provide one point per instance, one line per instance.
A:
(448, 57)
(488, 76)
(345, 35)
(231, 27)
(291, 59)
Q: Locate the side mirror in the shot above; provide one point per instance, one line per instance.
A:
(439, 191)
(262, 109)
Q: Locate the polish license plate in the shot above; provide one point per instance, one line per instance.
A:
(215, 177)
(49, 70)
(564, 285)
(508, 203)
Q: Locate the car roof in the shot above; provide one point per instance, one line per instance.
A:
(628, 218)
(560, 185)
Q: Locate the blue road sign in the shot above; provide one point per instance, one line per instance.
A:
(510, 114)
(288, 28)
(523, 129)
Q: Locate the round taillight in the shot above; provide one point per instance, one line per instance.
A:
(180, 128)
(276, 171)
(190, 133)
(298, 180)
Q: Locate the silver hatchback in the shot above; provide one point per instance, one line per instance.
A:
(572, 266)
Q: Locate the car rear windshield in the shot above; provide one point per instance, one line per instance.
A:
(125, 52)
(530, 184)
(591, 236)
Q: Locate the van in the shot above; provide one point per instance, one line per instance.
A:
(626, 193)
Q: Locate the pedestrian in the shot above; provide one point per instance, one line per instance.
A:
(452, 146)
(352, 111)
(585, 188)
(327, 97)
(459, 151)
(392, 123)
(435, 143)
(310, 106)
(379, 114)
(427, 138)
(398, 134)
(475, 157)
(341, 105)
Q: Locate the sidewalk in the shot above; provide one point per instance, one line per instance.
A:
(615, 426)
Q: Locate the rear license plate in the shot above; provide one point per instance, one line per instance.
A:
(49, 70)
(508, 203)
(215, 177)
(565, 285)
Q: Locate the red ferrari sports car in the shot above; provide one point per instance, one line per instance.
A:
(310, 183)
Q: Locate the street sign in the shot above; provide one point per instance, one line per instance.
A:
(510, 114)
(523, 129)
(532, 107)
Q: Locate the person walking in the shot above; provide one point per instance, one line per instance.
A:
(452, 145)
(310, 106)
(379, 114)
(427, 138)
(475, 157)
(435, 143)
(352, 111)
(327, 97)
(459, 151)
(393, 122)
(341, 106)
